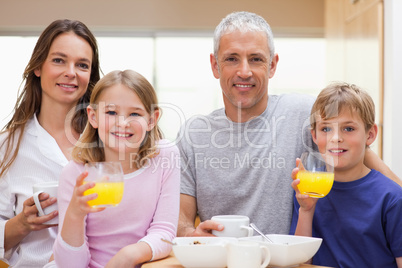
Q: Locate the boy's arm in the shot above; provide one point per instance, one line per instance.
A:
(372, 161)
(307, 204)
(304, 225)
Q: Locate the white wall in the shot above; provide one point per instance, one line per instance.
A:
(393, 85)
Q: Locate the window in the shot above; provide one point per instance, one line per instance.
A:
(178, 68)
(15, 53)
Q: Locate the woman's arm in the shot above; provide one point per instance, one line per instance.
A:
(14, 228)
(18, 227)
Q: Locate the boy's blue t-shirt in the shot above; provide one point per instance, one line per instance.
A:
(360, 223)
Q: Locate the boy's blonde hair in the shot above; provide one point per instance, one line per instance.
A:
(89, 147)
(339, 96)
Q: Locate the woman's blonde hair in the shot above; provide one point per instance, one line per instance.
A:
(338, 96)
(30, 98)
(90, 148)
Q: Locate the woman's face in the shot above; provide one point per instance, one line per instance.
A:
(66, 71)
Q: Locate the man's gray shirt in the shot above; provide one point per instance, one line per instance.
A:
(245, 168)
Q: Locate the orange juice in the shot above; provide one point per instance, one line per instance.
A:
(315, 184)
(109, 194)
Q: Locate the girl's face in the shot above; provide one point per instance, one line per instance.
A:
(122, 121)
(66, 71)
(345, 138)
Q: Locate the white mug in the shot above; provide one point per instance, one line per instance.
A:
(51, 189)
(247, 254)
(235, 226)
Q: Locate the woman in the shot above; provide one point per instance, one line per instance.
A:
(35, 145)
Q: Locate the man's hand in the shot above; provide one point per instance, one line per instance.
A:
(188, 213)
(205, 228)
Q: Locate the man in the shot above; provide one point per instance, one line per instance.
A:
(239, 160)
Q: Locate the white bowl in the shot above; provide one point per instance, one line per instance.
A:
(289, 250)
(210, 253)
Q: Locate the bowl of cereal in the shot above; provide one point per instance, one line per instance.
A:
(202, 252)
(288, 250)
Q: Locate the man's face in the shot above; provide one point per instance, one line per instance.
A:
(243, 67)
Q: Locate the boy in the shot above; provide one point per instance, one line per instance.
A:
(360, 219)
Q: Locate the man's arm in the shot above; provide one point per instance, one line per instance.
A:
(372, 161)
(188, 213)
(399, 262)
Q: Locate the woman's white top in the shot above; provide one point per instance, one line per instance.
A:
(39, 159)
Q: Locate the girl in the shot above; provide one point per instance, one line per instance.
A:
(122, 126)
(36, 143)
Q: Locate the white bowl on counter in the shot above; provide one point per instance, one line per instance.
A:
(202, 252)
(289, 250)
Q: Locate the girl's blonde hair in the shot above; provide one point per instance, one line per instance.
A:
(89, 147)
(336, 97)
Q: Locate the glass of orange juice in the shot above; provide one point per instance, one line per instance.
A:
(316, 174)
(109, 183)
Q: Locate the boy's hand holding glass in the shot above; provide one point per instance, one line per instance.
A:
(316, 174)
(109, 183)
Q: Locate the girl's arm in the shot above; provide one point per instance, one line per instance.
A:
(71, 248)
(73, 230)
(165, 219)
(131, 255)
(166, 216)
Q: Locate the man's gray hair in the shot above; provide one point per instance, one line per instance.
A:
(244, 22)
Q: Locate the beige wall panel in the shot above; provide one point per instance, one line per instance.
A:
(128, 15)
(359, 6)
(334, 35)
(354, 34)
(364, 56)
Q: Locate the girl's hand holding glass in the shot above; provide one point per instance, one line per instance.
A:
(109, 183)
(79, 202)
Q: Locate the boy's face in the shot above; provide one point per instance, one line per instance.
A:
(345, 138)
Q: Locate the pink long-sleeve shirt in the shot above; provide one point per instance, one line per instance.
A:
(148, 212)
